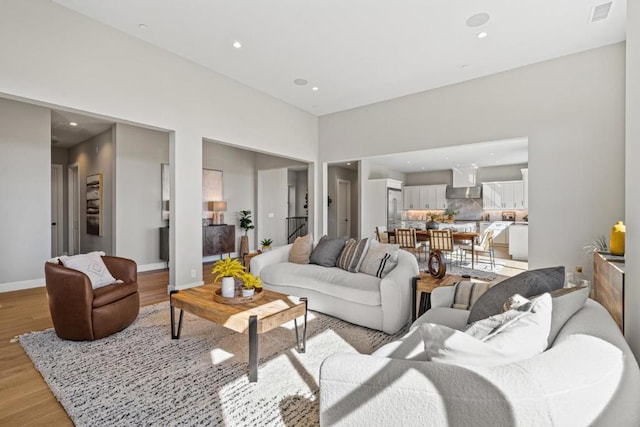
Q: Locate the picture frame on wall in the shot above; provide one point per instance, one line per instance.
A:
(165, 179)
(94, 204)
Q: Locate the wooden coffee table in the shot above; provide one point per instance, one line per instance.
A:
(425, 284)
(269, 312)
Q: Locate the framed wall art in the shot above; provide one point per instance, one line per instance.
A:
(94, 204)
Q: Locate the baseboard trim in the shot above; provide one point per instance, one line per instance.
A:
(153, 266)
(188, 285)
(24, 284)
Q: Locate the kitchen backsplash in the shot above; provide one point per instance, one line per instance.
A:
(469, 209)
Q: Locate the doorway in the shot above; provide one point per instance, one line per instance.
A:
(343, 208)
(57, 232)
(73, 221)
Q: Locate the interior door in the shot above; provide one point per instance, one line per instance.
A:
(56, 211)
(344, 208)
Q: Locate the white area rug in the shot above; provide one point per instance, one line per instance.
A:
(140, 376)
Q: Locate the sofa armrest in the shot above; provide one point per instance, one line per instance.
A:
(274, 256)
(442, 296)
(552, 389)
(395, 293)
(122, 268)
(70, 300)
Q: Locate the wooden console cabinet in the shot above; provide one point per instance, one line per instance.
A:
(608, 285)
(218, 239)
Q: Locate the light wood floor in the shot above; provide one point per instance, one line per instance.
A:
(25, 399)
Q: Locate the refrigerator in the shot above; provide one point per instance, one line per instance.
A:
(394, 207)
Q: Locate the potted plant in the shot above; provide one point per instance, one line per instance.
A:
(249, 284)
(246, 224)
(228, 269)
(266, 244)
(450, 213)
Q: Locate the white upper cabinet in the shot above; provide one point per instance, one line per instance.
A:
(425, 197)
(411, 198)
(503, 195)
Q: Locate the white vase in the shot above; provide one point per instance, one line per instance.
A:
(228, 287)
(247, 292)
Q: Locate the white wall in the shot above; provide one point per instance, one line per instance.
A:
(138, 156)
(25, 191)
(144, 84)
(238, 181)
(272, 206)
(570, 108)
(96, 155)
(632, 157)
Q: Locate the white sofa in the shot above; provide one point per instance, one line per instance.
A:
(362, 299)
(588, 377)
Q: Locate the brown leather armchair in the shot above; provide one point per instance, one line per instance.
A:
(81, 313)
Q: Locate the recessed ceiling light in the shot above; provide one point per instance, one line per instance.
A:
(236, 44)
(478, 19)
(482, 35)
(142, 26)
(348, 163)
(423, 168)
(446, 158)
(300, 82)
(315, 88)
(73, 124)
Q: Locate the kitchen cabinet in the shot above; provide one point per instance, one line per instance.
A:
(425, 197)
(503, 195)
(519, 242)
(411, 197)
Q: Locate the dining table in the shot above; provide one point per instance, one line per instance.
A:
(464, 236)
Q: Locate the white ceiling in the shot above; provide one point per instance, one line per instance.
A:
(361, 51)
(487, 154)
(64, 135)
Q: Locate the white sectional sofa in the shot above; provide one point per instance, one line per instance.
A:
(362, 299)
(588, 377)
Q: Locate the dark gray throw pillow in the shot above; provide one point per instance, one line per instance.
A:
(327, 251)
(527, 284)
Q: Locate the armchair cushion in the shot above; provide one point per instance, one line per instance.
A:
(92, 265)
(112, 293)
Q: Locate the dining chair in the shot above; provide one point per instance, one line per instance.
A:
(406, 238)
(485, 245)
(442, 240)
(381, 234)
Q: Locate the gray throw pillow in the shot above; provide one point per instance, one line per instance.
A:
(327, 251)
(566, 302)
(527, 284)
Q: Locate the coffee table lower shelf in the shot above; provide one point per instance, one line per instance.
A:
(271, 311)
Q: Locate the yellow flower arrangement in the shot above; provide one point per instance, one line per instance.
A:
(227, 268)
(250, 281)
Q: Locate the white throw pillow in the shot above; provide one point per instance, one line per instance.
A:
(505, 338)
(92, 265)
(380, 259)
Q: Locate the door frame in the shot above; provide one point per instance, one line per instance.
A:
(74, 208)
(347, 184)
(60, 211)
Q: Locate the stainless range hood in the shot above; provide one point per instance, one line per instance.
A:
(464, 184)
(464, 192)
